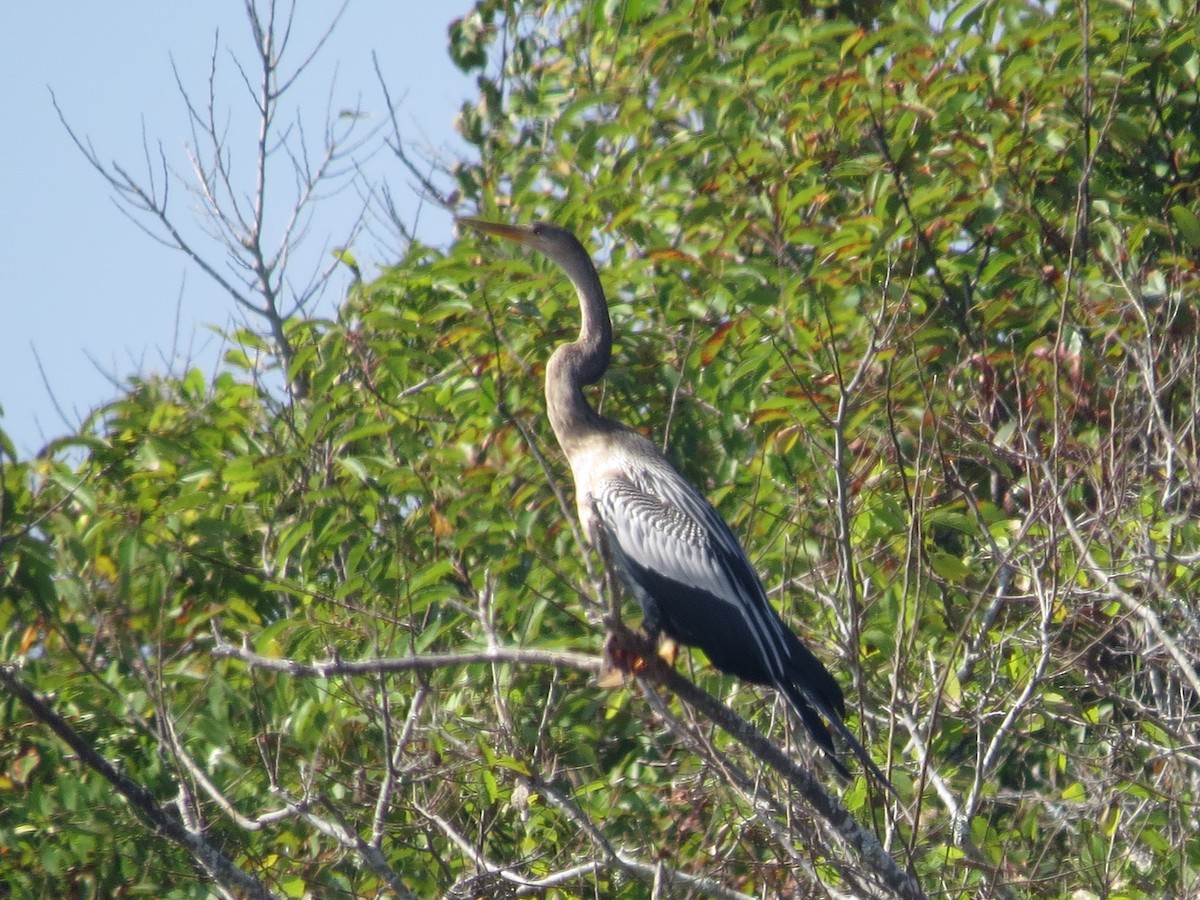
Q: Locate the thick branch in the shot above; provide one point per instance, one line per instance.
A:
(329, 667)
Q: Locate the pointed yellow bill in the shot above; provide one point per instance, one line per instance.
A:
(521, 234)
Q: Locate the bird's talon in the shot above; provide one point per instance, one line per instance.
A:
(668, 650)
(628, 654)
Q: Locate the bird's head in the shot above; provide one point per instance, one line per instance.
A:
(552, 240)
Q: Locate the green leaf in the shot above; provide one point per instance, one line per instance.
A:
(1074, 793)
(1187, 223)
(949, 567)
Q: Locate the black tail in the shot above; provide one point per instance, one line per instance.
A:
(807, 704)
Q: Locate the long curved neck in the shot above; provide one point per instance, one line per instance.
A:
(581, 362)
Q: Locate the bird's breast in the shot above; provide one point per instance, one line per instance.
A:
(593, 463)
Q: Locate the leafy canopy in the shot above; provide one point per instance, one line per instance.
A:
(908, 290)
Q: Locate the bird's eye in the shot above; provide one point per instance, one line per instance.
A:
(537, 228)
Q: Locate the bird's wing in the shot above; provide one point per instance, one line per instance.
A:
(678, 549)
(677, 527)
(684, 563)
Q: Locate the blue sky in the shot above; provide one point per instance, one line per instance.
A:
(88, 292)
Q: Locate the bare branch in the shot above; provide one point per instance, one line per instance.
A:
(46, 383)
(329, 668)
(236, 218)
(427, 187)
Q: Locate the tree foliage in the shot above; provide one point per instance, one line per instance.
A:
(909, 291)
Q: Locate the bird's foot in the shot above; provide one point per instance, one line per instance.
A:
(633, 654)
(667, 650)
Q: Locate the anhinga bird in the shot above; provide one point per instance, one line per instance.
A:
(670, 547)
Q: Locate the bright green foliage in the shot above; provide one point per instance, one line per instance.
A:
(912, 298)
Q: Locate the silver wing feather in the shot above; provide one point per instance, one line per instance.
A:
(667, 535)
